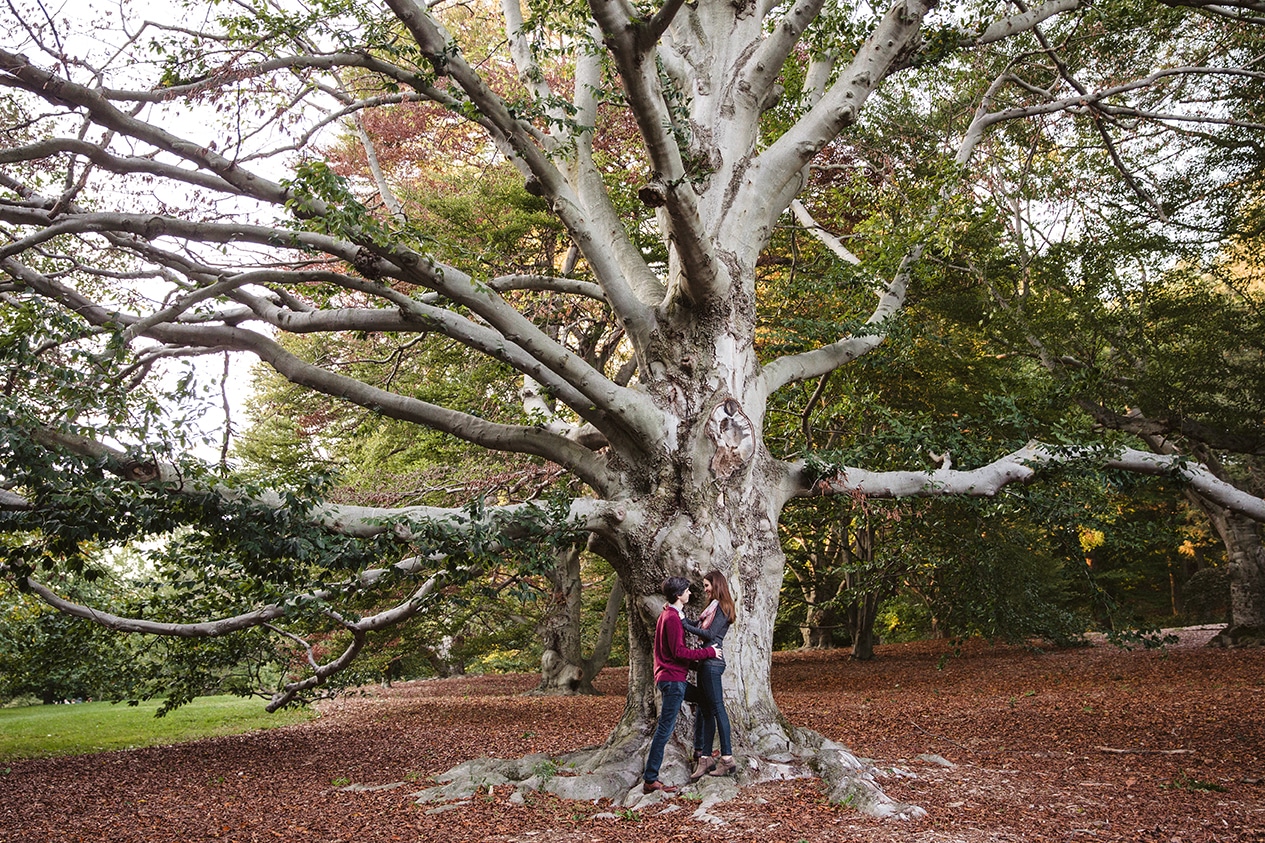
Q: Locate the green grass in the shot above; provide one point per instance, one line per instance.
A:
(44, 730)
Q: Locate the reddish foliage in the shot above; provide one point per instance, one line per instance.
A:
(1028, 734)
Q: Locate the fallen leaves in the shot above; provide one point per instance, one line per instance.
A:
(1173, 749)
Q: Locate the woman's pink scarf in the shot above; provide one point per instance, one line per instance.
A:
(705, 619)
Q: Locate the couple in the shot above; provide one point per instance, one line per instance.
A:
(671, 662)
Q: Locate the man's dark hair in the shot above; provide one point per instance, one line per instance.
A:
(674, 587)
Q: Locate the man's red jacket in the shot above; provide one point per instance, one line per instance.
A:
(671, 657)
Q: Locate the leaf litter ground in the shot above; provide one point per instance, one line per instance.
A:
(1092, 744)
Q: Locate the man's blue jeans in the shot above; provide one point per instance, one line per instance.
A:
(673, 694)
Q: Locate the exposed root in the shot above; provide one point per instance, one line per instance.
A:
(612, 772)
(1239, 636)
(850, 782)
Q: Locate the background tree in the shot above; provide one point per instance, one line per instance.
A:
(967, 567)
(1154, 330)
(952, 567)
(1168, 355)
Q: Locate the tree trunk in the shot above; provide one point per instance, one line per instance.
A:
(741, 542)
(863, 609)
(560, 669)
(719, 514)
(563, 668)
(443, 661)
(818, 630)
(713, 501)
(821, 618)
(1245, 558)
(1246, 555)
(819, 575)
(862, 613)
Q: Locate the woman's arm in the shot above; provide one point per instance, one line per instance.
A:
(708, 634)
(675, 633)
(715, 632)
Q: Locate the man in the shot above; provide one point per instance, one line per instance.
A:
(671, 662)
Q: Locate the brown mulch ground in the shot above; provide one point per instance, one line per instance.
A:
(1094, 744)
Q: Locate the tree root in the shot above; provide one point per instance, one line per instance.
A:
(1239, 636)
(613, 772)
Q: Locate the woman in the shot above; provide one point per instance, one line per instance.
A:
(712, 717)
(671, 663)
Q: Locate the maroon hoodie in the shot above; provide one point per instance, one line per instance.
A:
(671, 657)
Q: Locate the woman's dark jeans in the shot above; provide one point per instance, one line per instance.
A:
(673, 694)
(712, 717)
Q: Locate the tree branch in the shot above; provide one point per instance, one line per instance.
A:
(606, 631)
(1235, 10)
(57, 90)
(512, 438)
(594, 226)
(766, 65)
(1012, 25)
(406, 264)
(530, 75)
(811, 364)
(1098, 100)
(1022, 466)
(204, 629)
(1143, 426)
(632, 44)
(630, 286)
(590, 515)
(834, 244)
(115, 164)
(621, 407)
(838, 108)
(262, 617)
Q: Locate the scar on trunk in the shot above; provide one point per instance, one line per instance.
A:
(731, 430)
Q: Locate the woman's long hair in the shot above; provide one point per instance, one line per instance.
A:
(720, 593)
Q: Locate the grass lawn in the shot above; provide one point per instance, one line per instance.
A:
(44, 730)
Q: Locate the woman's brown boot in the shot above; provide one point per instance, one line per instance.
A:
(702, 764)
(724, 768)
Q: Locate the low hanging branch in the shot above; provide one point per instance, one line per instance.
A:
(1020, 466)
(264, 617)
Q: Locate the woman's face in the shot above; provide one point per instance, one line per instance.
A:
(707, 588)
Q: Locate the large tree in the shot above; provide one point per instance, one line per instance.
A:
(160, 199)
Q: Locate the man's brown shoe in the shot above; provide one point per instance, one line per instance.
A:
(651, 787)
